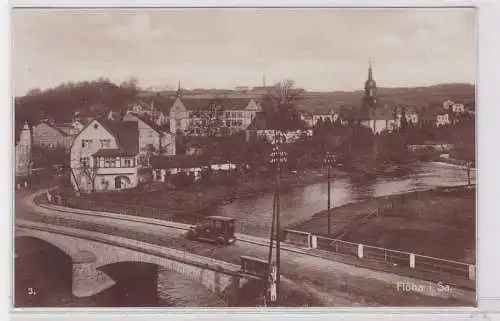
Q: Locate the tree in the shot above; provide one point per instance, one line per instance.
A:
(280, 108)
(90, 172)
(464, 142)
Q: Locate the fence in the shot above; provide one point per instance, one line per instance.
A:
(125, 209)
(396, 258)
(299, 238)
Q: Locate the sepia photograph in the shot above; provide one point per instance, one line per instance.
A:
(244, 157)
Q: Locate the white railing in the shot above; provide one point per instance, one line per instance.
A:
(394, 257)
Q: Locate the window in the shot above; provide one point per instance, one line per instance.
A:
(127, 162)
(117, 162)
(107, 162)
(105, 143)
(84, 161)
(86, 143)
(178, 123)
(101, 161)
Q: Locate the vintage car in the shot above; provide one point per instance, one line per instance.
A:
(216, 229)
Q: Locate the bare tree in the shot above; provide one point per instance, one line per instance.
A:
(90, 172)
(281, 113)
(284, 93)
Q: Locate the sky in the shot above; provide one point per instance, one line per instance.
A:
(320, 49)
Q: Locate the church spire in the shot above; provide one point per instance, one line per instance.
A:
(179, 93)
(370, 73)
(370, 87)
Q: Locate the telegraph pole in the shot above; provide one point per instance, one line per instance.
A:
(278, 159)
(329, 161)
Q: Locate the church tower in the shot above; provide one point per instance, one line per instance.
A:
(370, 98)
(23, 152)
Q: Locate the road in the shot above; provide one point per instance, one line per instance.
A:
(331, 283)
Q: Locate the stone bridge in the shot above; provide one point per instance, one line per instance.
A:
(90, 251)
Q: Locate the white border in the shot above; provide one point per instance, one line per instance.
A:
(488, 215)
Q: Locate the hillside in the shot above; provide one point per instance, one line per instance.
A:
(415, 96)
(98, 96)
(61, 102)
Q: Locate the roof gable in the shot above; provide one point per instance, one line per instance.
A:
(126, 134)
(143, 119)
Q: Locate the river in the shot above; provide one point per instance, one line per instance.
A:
(45, 270)
(254, 214)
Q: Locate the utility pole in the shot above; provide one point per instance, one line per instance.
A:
(329, 161)
(278, 159)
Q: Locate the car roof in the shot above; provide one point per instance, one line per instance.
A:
(220, 218)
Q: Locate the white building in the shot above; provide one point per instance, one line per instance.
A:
(442, 118)
(458, 108)
(104, 156)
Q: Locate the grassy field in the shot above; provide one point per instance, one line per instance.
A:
(442, 226)
(438, 225)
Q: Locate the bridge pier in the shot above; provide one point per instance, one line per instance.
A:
(87, 280)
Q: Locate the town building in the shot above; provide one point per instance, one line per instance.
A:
(188, 114)
(23, 152)
(377, 115)
(104, 156)
(458, 108)
(49, 135)
(259, 129)
(442, 118)
(410, 114)
(152, 138)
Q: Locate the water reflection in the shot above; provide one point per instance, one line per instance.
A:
(254, 214)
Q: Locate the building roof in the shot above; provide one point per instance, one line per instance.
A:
(147, 121)
(57, 128)
(126, 134)
(197, 104)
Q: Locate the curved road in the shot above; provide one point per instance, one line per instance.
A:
(331, 283)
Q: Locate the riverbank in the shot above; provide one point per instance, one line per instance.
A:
(200, 198)
(438, 223)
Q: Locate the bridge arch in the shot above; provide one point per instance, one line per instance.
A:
(21, 233)
(91, 257)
